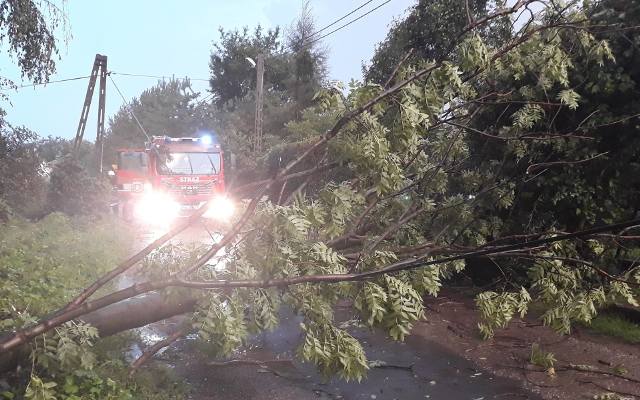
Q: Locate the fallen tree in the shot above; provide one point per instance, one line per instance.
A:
(418, 203)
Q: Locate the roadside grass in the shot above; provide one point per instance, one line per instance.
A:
(45, 263)
(611, 324)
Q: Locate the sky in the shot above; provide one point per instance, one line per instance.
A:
(174, 38)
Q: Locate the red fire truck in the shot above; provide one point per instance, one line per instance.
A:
(170, 178)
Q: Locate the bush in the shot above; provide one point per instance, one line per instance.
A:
(22, 185)
(73, 191)
(44, 264)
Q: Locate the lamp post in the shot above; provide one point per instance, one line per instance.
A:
(259, 66)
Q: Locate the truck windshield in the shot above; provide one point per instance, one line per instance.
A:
(190, 164)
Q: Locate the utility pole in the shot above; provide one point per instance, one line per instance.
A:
(99, 68)
(259, 100)
(102, 94)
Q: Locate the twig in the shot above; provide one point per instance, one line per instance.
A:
(392, 366)
(397, 68)
(148, 353)
(592, 370)
(469, 16)
(284, 185)
(635, 395)
(133, 260)
(260, 363)
(534, 167)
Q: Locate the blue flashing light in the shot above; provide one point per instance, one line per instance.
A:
(206, 140)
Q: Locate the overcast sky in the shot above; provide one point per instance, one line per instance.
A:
(174, 38)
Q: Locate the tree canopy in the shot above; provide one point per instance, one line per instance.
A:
(28, 28)
(168, 108)
(428, 32)
(295, 63)
(232, 75)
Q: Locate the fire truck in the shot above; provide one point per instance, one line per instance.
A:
(171, 178)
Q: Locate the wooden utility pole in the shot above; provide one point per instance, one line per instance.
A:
(99, 69)
(259, 100)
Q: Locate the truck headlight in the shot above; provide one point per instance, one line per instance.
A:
(221, 208)
(156, 209)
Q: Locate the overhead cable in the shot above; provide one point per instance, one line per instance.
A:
(157, 76)
(46, 83)
(344, 25)
(340, 19)
(126, 103)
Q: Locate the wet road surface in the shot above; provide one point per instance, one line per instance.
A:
(415, 369)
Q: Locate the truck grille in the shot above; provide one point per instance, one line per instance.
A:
(190, 190)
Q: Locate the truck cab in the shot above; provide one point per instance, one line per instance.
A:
(172, 177)
(190, 169)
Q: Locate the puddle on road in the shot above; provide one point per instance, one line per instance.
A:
(148, 335)
(152, 333)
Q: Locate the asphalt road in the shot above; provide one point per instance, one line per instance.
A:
(415, 369)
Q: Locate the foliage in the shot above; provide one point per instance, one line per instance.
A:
(168, 108)
(566, 108)
(52, 149)
(541, 358)
(70, 365)
(232, 76)
(74, 191)
(333, 350)
(22, 184)
(29, 27)
(44, 263)
(26, 164)
(430, 29)
(220, 323)
(293, 70)
(497, 309)
(419, 154)
(308, 62)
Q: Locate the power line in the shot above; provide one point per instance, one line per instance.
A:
(201, 101)
(46, 83)
(88, 76)
(345, 25)
(302, 43)
(340, 19)
(126, 103)
(156, 76)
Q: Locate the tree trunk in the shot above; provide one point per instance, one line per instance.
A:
(119, 317)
